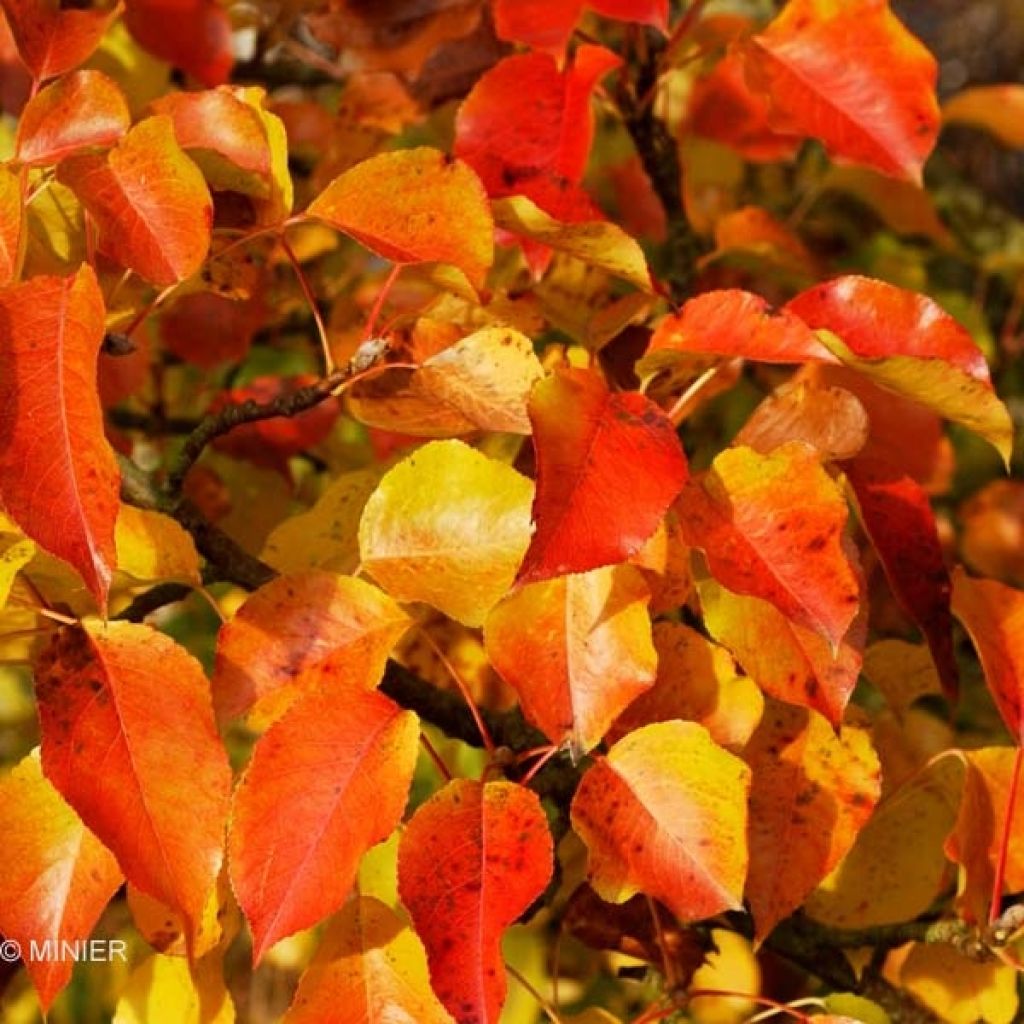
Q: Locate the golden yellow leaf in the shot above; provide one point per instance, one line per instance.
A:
(152, 546)
(732, 968)
(163, 988)
(902, 671)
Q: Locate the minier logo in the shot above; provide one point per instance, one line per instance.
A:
(60, 951)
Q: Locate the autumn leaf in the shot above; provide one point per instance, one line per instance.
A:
(370, 962)
(787, 661)
(997, 109)
(697, 681)
(55, 878)
(470, 861)
(52, 39)
(15, 553)
(58, 477)
(608, 466)
(194, 35)
(851, 76)
(171, 986)
(208, 330)
(902, 671)
(447, 526)
(665, 813)
(152, 547)
(812, 792)
(577, 649)
(300, 632)
(771, 526)
(993, 615)
(414, 206)
(338, 765)
(12, 220)
(118, 706)
(82, 110)
(149, 200)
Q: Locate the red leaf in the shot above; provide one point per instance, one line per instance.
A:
(846, 72)
(544, 156)
(149, 200)
(738, 323)
(771, 526)
(52, 40)
(470, 861)
(877, 319)
(898, 518)
(325, 783)
(271, 443)
(208, 329)
(82, 109)
(993, 615)
(58, 477)
(194, 35)
(55, 876)
(128, 739)
(608, 467)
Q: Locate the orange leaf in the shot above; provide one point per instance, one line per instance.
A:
(846, 72)
(149, 201)
(129, 740)
(12, 224)
(224, 135)
(58, 477)
(876, 319)
(325, 783)
(369, 962)
(998, 109)
(697, 681)
(771, 526)
(55, 877)
(895, 512)
(812, 792)
(194, 35)
(665, 813)
(786, 660)
(546, 154)
(733, 323)
(577, 649)
(608, 466)
(993, 615)
(52, 39)
(470, 861)
(81, 110)
(300, 632)
(414, 206)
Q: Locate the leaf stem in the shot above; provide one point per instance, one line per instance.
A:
(307, 291)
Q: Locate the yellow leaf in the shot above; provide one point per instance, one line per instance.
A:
(938, 385)
(732, 968)
(958, 990)
(897, 867)
(152, 546)
(163, 988)
(325, 536)
(15, 553)
(856, 1008)
(141, 76)
(597, 243)
(447, 526)
(902, 671)
(282, 191)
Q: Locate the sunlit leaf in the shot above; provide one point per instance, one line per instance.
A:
(471, 860)
(149, 200)
(998, 109)
(846, 72)
(414, 206)
(447, 526)
(58, 477)
(771, 526)
(152, 547)
(12, 222)
(371, 963)
(608, 466)
(577, 649)
(339, 764)
(170, 987)
(52, 39)
(81, 110)
(811, 794)
(55, 878)
(15, 553)
(119, 705)
(665, 813)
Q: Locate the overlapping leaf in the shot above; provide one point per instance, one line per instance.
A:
(325, 783)
(194, 35)
(577, 649)
(301, 632)
(149, 201)
(58, 477)
(119, 705)
(52, 39)
(55, 879)
(414, 206)
(608, 466)
(665, 813)
(12, 220)
(771, 526)
(470, 861)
